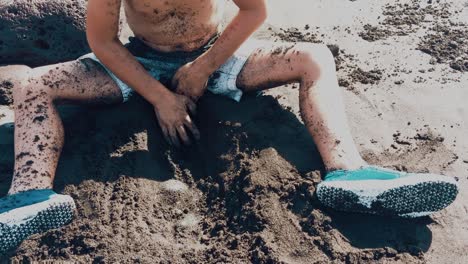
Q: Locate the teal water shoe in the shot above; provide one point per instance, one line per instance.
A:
(382, 191)
(31, 212)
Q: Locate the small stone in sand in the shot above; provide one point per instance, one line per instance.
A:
(174, 185)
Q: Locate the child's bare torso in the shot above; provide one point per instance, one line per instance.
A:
(174, 25)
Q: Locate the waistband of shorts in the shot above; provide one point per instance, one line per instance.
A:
(140, 49)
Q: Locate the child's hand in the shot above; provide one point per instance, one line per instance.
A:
(174, 119)
(190, 80)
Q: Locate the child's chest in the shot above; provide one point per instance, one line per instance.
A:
(165, 9)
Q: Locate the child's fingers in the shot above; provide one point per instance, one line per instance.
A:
(183, 135)
(193, 128)
(166, 135)
(174, 137)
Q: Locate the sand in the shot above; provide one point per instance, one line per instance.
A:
(245, 193)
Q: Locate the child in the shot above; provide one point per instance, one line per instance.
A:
(178, 53)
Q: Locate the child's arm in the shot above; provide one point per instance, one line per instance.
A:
(252, 13)
(191, 79)
(102, 32)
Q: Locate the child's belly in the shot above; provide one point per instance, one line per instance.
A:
(173, 27)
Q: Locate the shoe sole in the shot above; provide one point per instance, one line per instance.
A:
(408, 197)
(59, 213)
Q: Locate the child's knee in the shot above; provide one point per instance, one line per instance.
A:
(32, 92)
(319, 53)
(317, 59)
(19, 94)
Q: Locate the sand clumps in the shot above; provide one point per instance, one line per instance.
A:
(6, 92)
(401, 19)
(446, 41)
(447, 44)
(293, 35)
(41, 32)
(11, 77)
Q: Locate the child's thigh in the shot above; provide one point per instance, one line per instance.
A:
(278, 63)
(83, 81)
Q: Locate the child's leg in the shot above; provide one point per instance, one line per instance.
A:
(38, 127)
(31, 206)
(350, 188)
(321, 104)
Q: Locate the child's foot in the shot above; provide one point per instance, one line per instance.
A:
(31, 212)
(386, 192)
